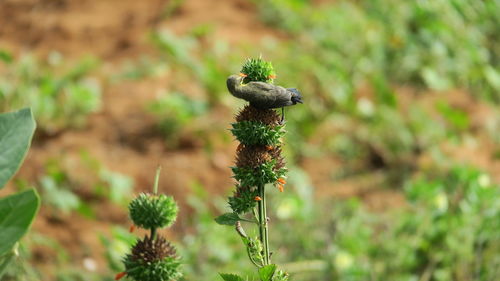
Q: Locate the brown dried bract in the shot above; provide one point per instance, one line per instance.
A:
(266, 116)
(149, 250)
(252, 156)
(276, 155)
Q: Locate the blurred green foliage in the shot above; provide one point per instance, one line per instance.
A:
(60, 96)
(439, 44)
(448, 231)
(174, 111)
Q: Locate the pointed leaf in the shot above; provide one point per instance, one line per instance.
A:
(227, 219)
(231, 277)
(4, 263)
(16, 131)
(17, 212)
(266, 273)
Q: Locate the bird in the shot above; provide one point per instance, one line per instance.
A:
(263, 95)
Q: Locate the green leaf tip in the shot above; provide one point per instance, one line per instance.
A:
(266, 273)
(231, 277)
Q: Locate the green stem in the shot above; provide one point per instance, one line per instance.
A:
(155, 192)
(153, 233)
(157, 180)
(263, 229)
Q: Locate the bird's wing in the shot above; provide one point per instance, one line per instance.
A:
(271, 96)
(261, 86)
(259, 94)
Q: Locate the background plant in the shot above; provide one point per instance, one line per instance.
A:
(60, 95)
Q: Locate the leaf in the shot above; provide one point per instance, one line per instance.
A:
(231, 277)
(227, 219)
(17, 212)
(4, 263)
(266, 273)
(16, 131)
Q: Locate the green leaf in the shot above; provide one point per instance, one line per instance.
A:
(4, 263)
(17, 212)
(16, 131)
(231, 277)
(266, 273)
(227, 219)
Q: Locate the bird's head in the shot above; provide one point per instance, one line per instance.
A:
(234, 81)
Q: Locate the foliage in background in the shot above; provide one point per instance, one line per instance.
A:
(440, 44)
(17, 211)
(349, 55)
(449, 230)
(174, 111)
(60, 96)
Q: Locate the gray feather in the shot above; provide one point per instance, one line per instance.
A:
(263, 95)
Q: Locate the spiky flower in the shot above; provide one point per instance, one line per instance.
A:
(265, 116)
(243, 199)
(258, 70)
(152, 260)
(153, 211)
(257, 133)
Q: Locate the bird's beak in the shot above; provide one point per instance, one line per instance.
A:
(243, 75)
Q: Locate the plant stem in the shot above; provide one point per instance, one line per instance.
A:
(263, 228)
(157, 179)
(155, 192)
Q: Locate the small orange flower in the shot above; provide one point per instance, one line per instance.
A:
(243, 75)
(282, 180)
(131, 228)
(257, 198)
(271, 76)
(281, 188)
(269, 147)
(120, 275)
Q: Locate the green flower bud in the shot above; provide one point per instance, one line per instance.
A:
(258, 70)
(153, 211)
(260, 175)
(243, 200)
(257, 133)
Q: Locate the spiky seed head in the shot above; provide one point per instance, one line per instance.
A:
(153, 211)
(243, 199)
(152, 260)
(267, 116)
(258, 70)
(252, 156)
(150, 250)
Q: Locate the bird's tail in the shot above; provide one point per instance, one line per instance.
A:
(296, 96)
